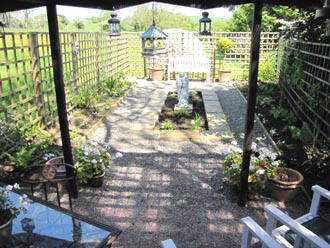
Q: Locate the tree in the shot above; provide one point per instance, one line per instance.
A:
(272, 17)
(41, 21)
(78, 23)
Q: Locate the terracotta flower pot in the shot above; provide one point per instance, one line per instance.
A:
(285, 190)
(5, 230)
(96, 181)
(224, 76)
(157, 74)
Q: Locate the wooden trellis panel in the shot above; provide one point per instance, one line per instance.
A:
(26, 73)
(309, 96)
(237, 59)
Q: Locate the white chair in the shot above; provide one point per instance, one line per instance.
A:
(310, 230)
(252, 228)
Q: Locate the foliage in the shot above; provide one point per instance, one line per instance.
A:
(86, 97)
(22, 141)
(7, 206)
(266, 101)
(196, 122)
(167, 125)
(262, 165)
(92, 159)
(267, 65)
(182, 112)
(306, 29)
(224, 45)
(273, 18)
(303, 134)
(23, 157)
(116, 86)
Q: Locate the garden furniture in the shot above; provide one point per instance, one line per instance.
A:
(309, 230)
(186, 53)
(35, 176)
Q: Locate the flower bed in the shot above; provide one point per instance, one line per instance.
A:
(292, 136)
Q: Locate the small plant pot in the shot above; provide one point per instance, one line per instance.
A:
(5, 231)
(224, 76)
(284, 190)
(96, 181)
(58, 162)
(157, 74)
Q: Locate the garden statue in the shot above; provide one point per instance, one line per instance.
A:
(182, 87)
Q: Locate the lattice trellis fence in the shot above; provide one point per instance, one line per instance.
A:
(237, 59)
(26, 74)
(305, 79)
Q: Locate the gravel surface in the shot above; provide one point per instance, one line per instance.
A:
(171, 189)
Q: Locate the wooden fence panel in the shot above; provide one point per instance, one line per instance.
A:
(26, 74)
(237, 59)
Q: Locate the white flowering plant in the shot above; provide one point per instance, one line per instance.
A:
(8, 209)
(263, 164)
(91, 159)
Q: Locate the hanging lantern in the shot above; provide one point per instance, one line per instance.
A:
(153, 41)
(205, 24)
(324, 15)
(2, 29)
(114, 25)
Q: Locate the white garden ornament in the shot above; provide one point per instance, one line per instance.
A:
(182, 87)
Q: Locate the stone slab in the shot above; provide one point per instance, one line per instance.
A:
(210, 98)
(212, 107)
(180, 135)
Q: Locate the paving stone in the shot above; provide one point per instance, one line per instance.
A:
(212, 107)
(210, 98)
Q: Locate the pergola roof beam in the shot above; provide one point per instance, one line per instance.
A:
(118, 4)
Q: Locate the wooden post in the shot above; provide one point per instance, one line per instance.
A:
(97, 64)
(214, 55)
(36, 76)
(60, 93)
(251, 103)
(145, 68)
(74, 60)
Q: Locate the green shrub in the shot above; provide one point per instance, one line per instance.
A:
(224, 45)
(86, 97)
(267, 66)
(196, 122)
(23, 157)
(167, 125)
(182, 112)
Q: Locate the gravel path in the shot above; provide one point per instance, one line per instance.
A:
(168, 189)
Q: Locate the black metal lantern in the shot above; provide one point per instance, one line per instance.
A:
(114, 25)
(205, 24)
(2, 29)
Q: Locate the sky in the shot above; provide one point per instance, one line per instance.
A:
(73, 12)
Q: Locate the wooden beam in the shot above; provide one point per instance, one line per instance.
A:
(118, 4)
(251, 102)
(60, 92)
(8, 6)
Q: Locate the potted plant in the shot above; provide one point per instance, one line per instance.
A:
(91, 161)
(223, 45)
(284, 183)
(157, 72)
(264, 170)
(8, 211)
